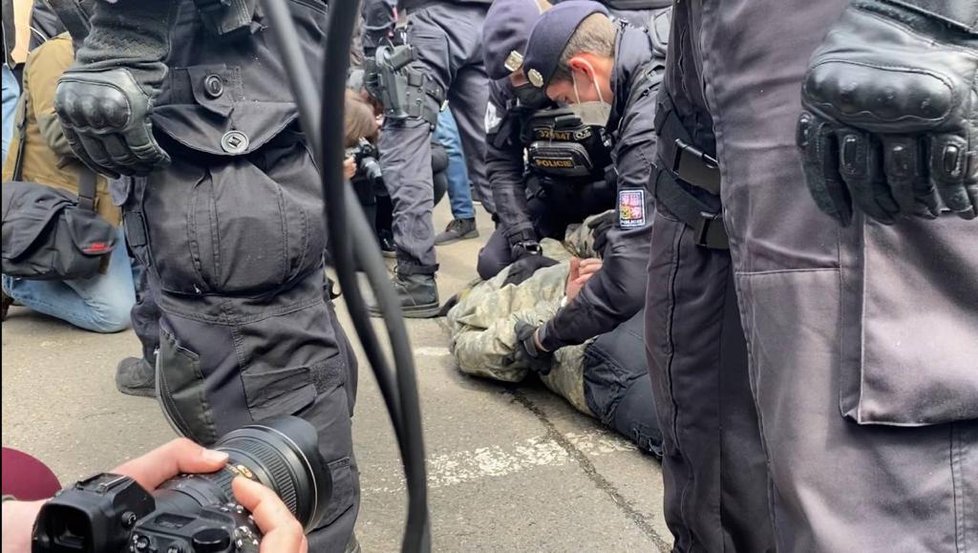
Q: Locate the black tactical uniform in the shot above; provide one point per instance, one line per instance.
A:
(569, 174)
(443, 63)
(617, 291)
(231, 230)
(862, 369)
(562, 181)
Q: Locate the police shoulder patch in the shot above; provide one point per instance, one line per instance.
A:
(631, 208)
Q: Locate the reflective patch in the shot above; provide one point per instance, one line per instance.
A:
(631, 208)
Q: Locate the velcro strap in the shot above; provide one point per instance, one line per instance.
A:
(698, 216)
(135, 225)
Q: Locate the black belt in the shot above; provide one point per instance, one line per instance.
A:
(681, 161)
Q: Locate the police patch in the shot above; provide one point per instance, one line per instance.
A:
(631, 208)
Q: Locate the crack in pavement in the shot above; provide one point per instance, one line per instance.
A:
(591, 471)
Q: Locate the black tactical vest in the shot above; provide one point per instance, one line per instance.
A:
(561, 147)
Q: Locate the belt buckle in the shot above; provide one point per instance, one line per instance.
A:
(696, 167)
(708, 234)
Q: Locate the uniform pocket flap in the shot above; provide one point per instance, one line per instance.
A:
(919, 322)
(274, 392)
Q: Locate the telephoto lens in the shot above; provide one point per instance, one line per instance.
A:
(192, 513)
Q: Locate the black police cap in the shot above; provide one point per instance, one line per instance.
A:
(504, 35)
(550, 36)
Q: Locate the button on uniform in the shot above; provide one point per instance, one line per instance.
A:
(234, 142)
(213, 86)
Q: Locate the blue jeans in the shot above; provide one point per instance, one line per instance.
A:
(459, 190)
(10, 93)
(100, 303)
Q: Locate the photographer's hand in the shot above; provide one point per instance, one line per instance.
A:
(281, 532)
(175, 457)
(18, 521)
(150, 470)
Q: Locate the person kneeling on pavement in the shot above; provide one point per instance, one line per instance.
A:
(605, 377)
(40, 154)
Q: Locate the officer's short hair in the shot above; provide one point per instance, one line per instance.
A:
(595, 35)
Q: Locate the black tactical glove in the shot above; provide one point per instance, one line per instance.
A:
(599, 227)
(890, 118)
(527, 353)
(104, 100)
(524, 267)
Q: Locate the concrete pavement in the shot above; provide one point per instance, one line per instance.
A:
(511, 468)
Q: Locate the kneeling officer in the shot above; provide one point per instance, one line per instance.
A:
(609, 74)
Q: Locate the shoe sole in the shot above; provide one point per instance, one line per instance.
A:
(466, 236)
(139, 392)
(426, 311)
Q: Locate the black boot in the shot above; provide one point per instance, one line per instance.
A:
(418, 294)
(458, 229)
(136, 377)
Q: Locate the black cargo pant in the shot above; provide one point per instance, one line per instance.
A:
(552, 208)
(447, 40)
(233, 246)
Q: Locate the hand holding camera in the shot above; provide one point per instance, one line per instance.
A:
(202, 500)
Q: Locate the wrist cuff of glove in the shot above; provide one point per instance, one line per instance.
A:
(960, 14)
(549, 342)
(130, 34)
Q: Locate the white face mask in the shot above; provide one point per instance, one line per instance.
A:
(596, 112)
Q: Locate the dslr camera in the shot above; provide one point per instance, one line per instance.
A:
(192, 513)
(365, 156)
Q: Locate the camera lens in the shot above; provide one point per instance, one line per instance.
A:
(371, 170)
(281, 453)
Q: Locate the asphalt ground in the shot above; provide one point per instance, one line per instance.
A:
(510, 468)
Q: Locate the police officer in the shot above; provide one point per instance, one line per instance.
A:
(861, 335)
(418, 56)
(225, 211)
(608, 74)
(568, 174)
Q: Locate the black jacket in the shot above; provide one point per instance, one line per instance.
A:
(378, 17)
(617, 291)
(504, 159)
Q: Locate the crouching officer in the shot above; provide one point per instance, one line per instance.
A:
(190, 98)
(416, 59)
(609, 73)
(567, 174)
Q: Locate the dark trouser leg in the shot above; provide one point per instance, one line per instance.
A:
(810, 318)
(406, 158)
(617, 386)
(713, 464)
(494, 256)
(145, 315)
(245, 331)
(468, 99)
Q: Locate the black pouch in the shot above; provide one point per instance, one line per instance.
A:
(48, 234)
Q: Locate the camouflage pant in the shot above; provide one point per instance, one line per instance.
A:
(483, 322)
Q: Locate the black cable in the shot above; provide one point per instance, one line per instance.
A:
(345, 219)
(304, 89)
